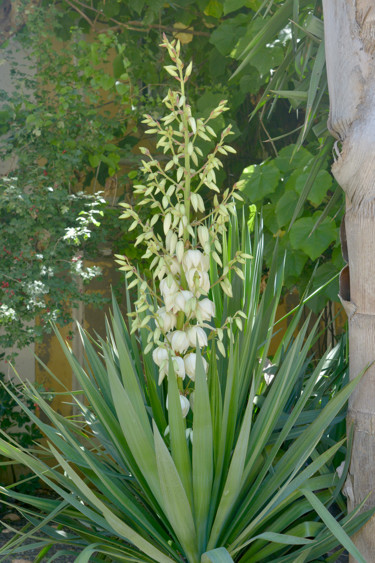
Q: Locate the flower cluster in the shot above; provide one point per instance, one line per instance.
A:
(184, 319)
(178, 310)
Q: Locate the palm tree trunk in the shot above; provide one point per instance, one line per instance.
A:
(350, 52)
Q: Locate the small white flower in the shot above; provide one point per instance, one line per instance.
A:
(206, 309)
(198, 282)
(195, 333)
(179, 341)
(159, 355)
(185, 405)
(195, 259)
(189, 434)
(168, 286)
(179, 366)
(181, 299)
(190, 362)
(167, 319)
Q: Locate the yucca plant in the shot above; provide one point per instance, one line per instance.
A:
(191, 444)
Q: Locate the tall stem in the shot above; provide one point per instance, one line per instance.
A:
(185, 122)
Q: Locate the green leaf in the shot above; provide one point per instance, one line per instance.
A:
(94, 160)
(314, 244)
(113, 520)
(333, 525)
(177, 428)
(137, 435)
(292, 95)
(290, 159)
(175, 501)
(251, 81)
(226, 35)
(322, 183)
(202, 453)
(218, 555)
(233, 5)
(323, 274)
(266, 34)
(214, 9)
(85, 555)
(285, 208)
(233, 482)
(260, 180)
(294, 263)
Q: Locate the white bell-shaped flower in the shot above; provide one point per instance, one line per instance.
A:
(197, 333)
(180, 300)
(168, 286)
(190, 362)
(185, 405)
(195, 259)
(198, 281)
(179, 341)
(206, 309)
(179, 366)
(159, 355)
(167, 319)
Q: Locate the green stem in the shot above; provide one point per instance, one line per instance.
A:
(187, 159)
(180, 320)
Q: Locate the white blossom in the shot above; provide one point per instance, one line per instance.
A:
(190, 362)
(181, 299)
(198, 281)
(159, 355)
(195, 333)
(167, 319)
(195, 259)
(206, 309)
(178, 366)
(179, 341)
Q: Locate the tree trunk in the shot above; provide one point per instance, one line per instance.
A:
(350, 52)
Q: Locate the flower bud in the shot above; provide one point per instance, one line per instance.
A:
(206, 309)
(203, 235)
(179, 341)
(167, 319)
(180, 251)
(175, 267)
(185, 405)
(190, 362)
(159, 355)
(173, 242)
(194, 334)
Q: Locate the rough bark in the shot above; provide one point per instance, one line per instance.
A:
(350, 53)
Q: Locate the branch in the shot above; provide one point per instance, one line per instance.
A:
(135, 25)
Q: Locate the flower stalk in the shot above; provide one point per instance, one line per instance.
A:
(182, 309)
